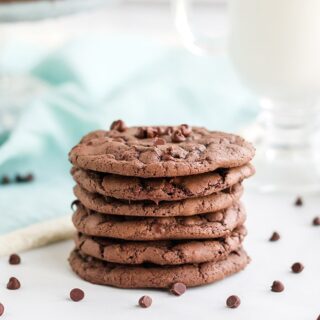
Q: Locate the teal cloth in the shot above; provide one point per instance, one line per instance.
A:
(92, 82)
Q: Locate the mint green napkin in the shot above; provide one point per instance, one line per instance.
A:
(92, 82)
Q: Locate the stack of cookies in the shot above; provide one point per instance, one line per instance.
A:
(159, 205)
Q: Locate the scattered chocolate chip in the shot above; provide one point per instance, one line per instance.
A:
(275, 236)
(76, 294)
(13, 284)
(177, 136)
(1, 309)
(118, 125)
(277, 286)
(186, 130)
(233, 302)
(316, 221)
(74, 203)
(298, 202)
(178, 289)
(297, 267)
(5, 180)
(27, 178)
(159, 142)
(14, 259)
(145, 302)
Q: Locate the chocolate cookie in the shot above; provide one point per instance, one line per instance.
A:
(152, 276)
(160, 151)
(205, 226)
(214, 202)
(160, 189)
(160, 252)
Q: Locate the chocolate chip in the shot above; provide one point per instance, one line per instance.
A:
(177, 136)
(159, 142)
(151, 132)
(277, 286)
(76, 294)
(178, 289)
(297, 267)
(13, 284)
(298, 202)
(233, 302)
(316, 221)
(1, 309)
(145, 302)
(27, 178)
(74, 203)
(118, 125)
(14, 259)
(186, 130)
(318, 317)
(275, 236)
(5, 180)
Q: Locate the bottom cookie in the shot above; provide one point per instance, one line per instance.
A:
(151, 276)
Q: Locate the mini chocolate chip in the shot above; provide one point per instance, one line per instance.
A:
(5, 180)
(14, 259)
(145, 302)
(141, 133)
(27, 178)
(233, 302)
(1, 309)
(178, 289)
(74, 203)
(316, 221)
(277, 286)
(118, 125)
(177, 136)
(298, 202)
(159, 142)
(186, 130)
(76, 294)
(13, 284)
(275, 236)
(297, 267)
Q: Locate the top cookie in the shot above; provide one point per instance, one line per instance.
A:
(159, 151)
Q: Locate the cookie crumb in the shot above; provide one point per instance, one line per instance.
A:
(275, 236)
(277, 286)
(178, 289)
(297, 267)
(76, 294)
(13, 284)
(14, 259)
(233, 302)
(145, 302)
(298, 202)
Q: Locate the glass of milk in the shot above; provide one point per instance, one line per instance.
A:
(274, 46)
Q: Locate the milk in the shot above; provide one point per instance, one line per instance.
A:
(275, 46)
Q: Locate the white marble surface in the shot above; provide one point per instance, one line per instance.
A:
(46, 277)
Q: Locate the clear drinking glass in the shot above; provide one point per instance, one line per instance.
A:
(274, 46)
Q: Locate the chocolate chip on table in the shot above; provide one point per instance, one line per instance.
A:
(159, 142)
(5, 180)
(178, 289)
(297, 267)
(24, 178)
(76, 294)
(1, 309)
(233, 302)
(14, 259)
(13, 284)
(145, 302)
(316, 221)
(277, 286)
(275, 236)
(298, 202)
(177, 136)
(118, 125)
(185, 130)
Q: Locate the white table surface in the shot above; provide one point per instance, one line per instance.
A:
(47, 279)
